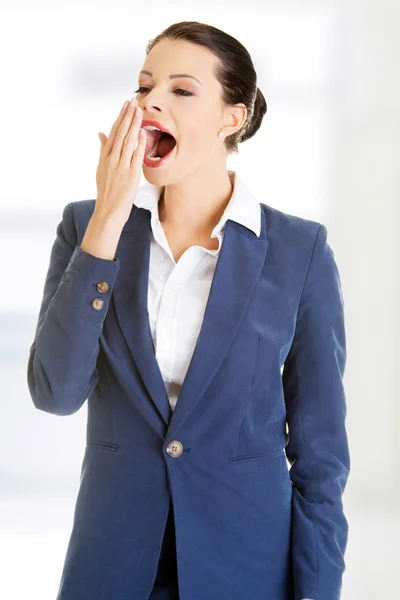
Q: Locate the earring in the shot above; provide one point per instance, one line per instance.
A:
(220, 134)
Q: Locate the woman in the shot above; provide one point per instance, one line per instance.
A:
(206, 331)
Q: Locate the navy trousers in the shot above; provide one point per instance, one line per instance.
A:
(166, 582)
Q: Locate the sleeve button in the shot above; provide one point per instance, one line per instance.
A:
(98, 304)
(102, 286)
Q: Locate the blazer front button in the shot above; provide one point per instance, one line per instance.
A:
(174, 448)
(102, 286)
(98, 304)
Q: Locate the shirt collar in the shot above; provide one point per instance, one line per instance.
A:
(243, 206)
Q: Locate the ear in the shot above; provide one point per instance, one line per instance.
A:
(236, 115)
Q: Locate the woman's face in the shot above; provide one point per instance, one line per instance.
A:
(191, 108)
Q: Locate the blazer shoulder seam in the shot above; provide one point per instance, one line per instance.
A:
(310, 261)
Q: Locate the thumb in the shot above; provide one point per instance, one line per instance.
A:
(102, 138)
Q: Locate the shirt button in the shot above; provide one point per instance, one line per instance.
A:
(174, 448)
(98, 304)
(102, 286)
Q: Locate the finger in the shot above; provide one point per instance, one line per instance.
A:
(122, 132)
(138, 154)
(110, 142)
(131, 138)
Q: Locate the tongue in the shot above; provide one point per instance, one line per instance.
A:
(159, 144)
(152, 138)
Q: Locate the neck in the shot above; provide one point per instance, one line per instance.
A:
(196, 206)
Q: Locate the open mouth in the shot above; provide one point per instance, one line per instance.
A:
(159, 144)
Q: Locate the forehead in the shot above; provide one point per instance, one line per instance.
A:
(179, 56)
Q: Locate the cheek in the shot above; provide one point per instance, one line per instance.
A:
(198, 128)
(200, 132)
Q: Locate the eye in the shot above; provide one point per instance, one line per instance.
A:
(184, 92)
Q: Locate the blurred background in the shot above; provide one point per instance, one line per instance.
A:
(328, 149)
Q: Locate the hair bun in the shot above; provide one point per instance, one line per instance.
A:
(259, 110)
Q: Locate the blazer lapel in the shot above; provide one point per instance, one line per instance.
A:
(130, 303)
(237, 271)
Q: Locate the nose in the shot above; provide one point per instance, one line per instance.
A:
(151, 102)
(150, 107)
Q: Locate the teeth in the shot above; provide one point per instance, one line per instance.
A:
(152, 128)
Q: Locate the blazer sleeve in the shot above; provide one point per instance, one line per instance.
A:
(61, 369)
(317, 445)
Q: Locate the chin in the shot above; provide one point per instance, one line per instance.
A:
(155, 176)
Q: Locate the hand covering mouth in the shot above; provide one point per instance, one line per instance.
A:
(159, 143)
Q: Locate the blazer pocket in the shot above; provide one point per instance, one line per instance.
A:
(102, 444)
(245, 458)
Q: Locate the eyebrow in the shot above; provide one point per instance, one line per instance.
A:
(175, 76)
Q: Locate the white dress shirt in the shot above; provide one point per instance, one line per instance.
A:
(178, 291)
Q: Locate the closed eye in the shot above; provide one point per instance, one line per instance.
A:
(184, 92)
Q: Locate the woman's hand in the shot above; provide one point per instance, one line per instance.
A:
(120, 165)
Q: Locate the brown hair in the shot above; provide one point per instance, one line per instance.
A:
(235, 72)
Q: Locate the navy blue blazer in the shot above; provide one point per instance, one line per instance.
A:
(264, 391)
